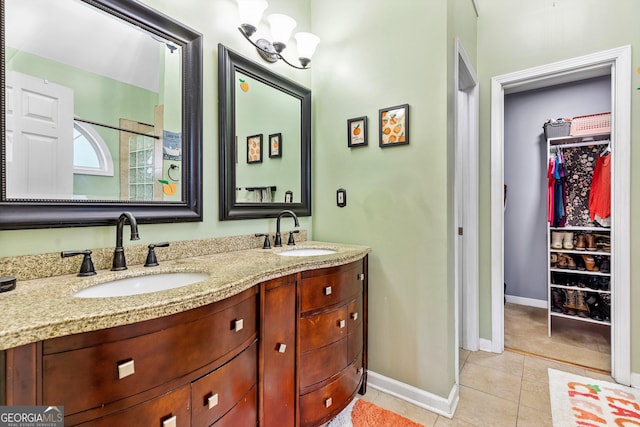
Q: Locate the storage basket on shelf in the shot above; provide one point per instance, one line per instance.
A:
(592, 123)
(556, 128)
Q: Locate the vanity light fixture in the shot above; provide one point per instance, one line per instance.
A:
(281, 28)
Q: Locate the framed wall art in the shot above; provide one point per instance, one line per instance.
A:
(357, 132)
(275, 145)
(394, 126)
(254, 149)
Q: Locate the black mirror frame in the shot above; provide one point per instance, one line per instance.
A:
(26, 214)
(228, 62)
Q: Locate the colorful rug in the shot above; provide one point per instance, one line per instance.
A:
(585, 402)
(361, 413)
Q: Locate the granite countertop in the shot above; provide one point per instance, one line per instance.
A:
(45, 308)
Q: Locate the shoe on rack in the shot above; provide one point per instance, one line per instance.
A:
(571, 263)
(590, 242)
(580, 242)
(593, 282)
(556, 239)
(581, 305)
(553, 260)
(590, 263)
(567, 241)
(603, 283)
(570, 302)
(579, 263)
(558, 298)
(595, 306)
(606, 307)
(562, 261)
(604, 266)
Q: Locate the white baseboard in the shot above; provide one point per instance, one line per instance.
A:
(414, 395)
(635, 380)
(485, 345)
(539, 303)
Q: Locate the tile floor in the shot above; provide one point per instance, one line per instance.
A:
(509, 389)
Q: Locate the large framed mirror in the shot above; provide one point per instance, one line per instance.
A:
(101, 113)
(265, 140)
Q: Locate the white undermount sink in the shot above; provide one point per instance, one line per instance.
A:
(306, 252)
(140, 285)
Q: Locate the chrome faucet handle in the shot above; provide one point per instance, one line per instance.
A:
(292, 242)
(267, 242)
(86, 268)
(152, 261)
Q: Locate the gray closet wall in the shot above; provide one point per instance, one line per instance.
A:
(525, 173)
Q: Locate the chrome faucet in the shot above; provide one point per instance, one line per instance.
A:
(119, 262)
(278, 241)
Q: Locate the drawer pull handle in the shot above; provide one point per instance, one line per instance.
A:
(125, 369)
(361, 277)
(282, 348)
(170, 422)
(212, 401)
(354, 316)
(328, 402)
(360, 371)
(342, 324)
(328, 290)
(238, 325)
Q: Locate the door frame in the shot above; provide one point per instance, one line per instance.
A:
(466, 140)
(617, 63)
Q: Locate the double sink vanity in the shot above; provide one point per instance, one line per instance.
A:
(250, 337)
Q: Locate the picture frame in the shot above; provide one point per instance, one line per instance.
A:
(357, 132)
(394, 126)
(254, 149)
(275, 145)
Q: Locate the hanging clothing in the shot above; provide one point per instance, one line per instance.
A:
(559, 191)
(551, 189)
(600, 191)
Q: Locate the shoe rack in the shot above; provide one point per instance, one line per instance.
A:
(580, 282)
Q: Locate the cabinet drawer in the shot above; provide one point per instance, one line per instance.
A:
(322, 363)
(214, 394)
(244, 414)
(323, 329)
(355, 329)
(169, 410)
(93, 376)
(326, 402)
(330, 286)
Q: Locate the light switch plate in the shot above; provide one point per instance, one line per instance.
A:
(341, 197)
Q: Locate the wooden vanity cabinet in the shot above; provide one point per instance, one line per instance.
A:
(290, 352)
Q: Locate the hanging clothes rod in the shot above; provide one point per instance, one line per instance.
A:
(117, 128)
(580, 144)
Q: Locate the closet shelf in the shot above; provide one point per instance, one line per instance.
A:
(585, 139)
(577, 228)
(581, 319)
(576, 288)
(583, 272)
(566, 251)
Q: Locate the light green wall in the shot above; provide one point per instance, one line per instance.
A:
(517, 34)
(376, 54)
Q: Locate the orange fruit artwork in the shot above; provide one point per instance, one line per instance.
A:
(168, 188)
(392, 126)
(356, 130)
(244, 85)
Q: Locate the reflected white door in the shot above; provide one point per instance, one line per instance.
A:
(39, 138)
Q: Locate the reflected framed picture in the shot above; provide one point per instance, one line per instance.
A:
(394, 126)
(275, 145)
(357, 132)
(254, 149)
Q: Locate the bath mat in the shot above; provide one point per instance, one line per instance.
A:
(584, 402)
(361, 413)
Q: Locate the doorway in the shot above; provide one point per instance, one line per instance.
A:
(466, 204)
(617, 63)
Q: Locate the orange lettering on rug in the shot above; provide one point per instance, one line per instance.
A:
(585, 415)
(624, 412)
(625, 422)
(624, 402)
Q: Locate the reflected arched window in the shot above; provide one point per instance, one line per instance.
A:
(91, 156)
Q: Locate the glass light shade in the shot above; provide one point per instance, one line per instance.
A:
(281, 27)
(251, 11)
(307, 44)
